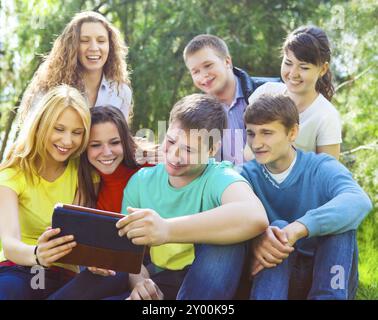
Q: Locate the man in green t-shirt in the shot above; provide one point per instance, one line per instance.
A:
(195, 213)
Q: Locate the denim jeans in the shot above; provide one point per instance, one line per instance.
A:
(214, 274)
(16, 283)
(90, 286)
(330, 274)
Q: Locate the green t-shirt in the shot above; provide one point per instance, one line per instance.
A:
(150, 188)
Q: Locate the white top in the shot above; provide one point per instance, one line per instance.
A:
(109, 94)
(319, 124)
(280, 177)
(112, 94)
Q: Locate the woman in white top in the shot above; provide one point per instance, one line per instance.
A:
(307, 81)
(90, 56)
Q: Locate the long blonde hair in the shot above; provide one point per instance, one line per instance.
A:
(61, 65)
(28, 153)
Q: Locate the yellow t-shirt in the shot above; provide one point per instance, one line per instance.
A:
(36, 202)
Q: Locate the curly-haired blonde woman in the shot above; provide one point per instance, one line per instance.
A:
(89, 55)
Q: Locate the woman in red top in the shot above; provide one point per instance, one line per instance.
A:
(111, 155)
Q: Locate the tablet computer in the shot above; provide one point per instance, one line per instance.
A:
(98, 242)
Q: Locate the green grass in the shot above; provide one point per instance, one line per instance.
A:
(368, 258)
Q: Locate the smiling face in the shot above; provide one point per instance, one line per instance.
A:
(300, 77)
(66, 137)
(210, 73)
(105, 151)
(185, 157)
(94, 46)
(272, 144)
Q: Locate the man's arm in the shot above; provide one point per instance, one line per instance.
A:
(240, 217)
(274, 245)
(347, 207)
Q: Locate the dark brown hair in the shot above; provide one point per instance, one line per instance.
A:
(268, 108)
(206, 41)
(311, 45)
(200, 111)
(87, 192)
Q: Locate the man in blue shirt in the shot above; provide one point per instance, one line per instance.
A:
(210, 65)
(314, 207)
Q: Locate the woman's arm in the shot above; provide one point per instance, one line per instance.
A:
(331, 149)
(20, 253)
(127, 103)
(14, 249)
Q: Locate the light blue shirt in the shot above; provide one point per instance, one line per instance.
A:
(234, 137)
(112, 94)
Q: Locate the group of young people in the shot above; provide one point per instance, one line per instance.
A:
(288, 216)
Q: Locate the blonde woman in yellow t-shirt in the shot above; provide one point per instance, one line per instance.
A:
(40, 170)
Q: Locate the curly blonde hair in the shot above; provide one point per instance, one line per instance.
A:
(61, 65)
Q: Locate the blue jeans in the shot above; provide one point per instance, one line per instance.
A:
(16, 283)
(214, 274)
(90, 286)
(331, 274)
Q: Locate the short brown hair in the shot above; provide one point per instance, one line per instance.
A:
(268, 108)
(200, 111)
(206, 41)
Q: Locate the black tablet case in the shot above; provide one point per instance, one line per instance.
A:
(98, 242)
